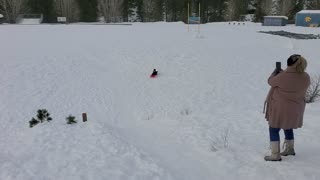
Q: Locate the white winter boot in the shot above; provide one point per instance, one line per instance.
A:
(289, 148)
(275, 152)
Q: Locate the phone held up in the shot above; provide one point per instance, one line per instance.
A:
(278, 68)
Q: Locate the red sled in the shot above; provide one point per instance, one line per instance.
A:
(153, 76)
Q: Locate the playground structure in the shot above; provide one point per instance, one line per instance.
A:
(194, 19)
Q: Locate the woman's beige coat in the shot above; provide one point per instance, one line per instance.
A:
(285, 100)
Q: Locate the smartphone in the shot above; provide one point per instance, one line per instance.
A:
(278, 66)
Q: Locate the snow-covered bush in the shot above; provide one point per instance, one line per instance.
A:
(43, 115)
(33, 122)
(313, 91)
(220, 142)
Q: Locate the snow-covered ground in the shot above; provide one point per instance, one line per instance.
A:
(201, 119)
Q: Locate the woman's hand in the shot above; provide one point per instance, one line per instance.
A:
(276, 71)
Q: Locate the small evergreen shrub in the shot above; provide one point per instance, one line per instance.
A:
(43, 115)
(71, 119)
(33, 122)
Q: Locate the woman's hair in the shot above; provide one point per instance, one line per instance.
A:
(301, 64)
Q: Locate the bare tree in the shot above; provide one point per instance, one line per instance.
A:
(235, 8)
(104, 7)
(110, 9)
(148, 9)
(291, 7)
(268, 5)
(286, 6)
(313, 4)
(230, 10)
(12, 9)
(68, 9)
(265, 7)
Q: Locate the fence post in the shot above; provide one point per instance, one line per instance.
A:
(84, 117)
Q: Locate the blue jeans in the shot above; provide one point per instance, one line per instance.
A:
(274, 134)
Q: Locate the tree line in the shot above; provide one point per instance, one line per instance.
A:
(151, 10)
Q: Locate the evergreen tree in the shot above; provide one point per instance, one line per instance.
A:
(68, 9)
(45, 7)
(260, 12)
(158, 10)
(275, 8)
(177, 10)
(211, 11)
(71, 119)
(153, 10)
(88, 10)
(172, 10)
(139, 7)
(125, 10)
(236, 8)
(296, 8)
(130, 7)
(133, 9)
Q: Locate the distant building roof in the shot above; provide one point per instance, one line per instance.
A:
(284, 17)
(30, 21)
(309, 12)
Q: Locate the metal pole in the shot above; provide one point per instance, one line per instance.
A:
(188, 17)
(199, 18)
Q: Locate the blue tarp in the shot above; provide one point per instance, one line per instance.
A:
(194, 20)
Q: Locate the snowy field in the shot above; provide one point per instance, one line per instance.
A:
(201, 119)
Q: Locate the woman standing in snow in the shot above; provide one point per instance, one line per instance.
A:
(286, 104)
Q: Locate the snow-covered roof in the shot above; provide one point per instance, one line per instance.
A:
(309, 12)
(284, 17)
(30, 21)
(1, 16)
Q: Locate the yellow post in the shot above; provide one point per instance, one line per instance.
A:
(188, 16)
(199, 18)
